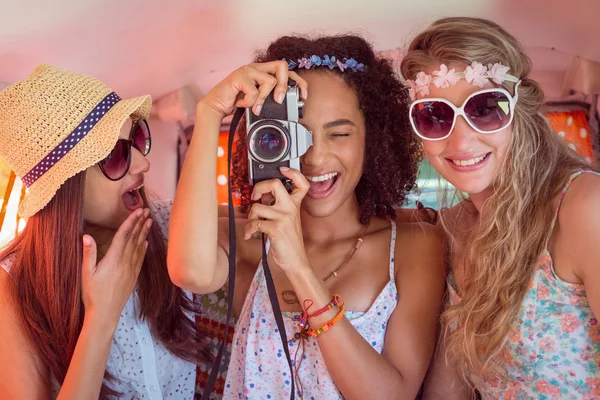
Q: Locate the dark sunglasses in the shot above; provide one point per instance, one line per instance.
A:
(486, 111)
(117, 163)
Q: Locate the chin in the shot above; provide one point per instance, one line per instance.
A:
(117, 219)
(319, 208)
(473, 186)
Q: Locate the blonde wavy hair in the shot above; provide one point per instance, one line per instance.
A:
(511, 233)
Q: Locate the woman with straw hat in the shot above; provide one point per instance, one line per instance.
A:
(87, 309)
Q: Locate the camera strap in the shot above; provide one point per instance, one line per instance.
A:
(231, 284)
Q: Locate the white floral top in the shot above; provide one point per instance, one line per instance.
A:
(259, 368)
(143, 366)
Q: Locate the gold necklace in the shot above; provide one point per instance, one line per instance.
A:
(289, 296)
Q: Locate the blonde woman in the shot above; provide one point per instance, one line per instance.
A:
(524, 288)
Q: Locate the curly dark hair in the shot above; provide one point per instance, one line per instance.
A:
(392, 152)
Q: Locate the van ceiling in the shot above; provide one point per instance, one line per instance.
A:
(156, 46)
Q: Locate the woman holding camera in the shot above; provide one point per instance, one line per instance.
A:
(360, 293)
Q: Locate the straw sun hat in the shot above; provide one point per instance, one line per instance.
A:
(55, 124)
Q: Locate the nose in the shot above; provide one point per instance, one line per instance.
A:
(463, 138)
(139, 163)
(316, 154)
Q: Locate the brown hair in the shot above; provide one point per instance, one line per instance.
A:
(46, 286)
(392, 153)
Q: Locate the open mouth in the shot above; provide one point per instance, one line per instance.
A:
(133, 198)
(322, 186)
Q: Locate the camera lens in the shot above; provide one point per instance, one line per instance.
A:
(269, 144)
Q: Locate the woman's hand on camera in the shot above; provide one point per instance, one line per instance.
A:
(281, 220)
(250, 85)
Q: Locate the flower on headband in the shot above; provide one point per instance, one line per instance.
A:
(445, 77)
(326, 61)
(422, 83)
(304, 63)
(291, 64)
(476, 74)
(497, 71)
(412, 89)
(354, 65)
(329, 62)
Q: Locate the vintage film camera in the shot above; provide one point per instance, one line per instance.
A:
(276, 138)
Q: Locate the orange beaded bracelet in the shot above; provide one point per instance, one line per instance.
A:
(328, 325)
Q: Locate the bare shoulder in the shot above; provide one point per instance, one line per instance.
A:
(416, 215)
(418, 232)
(24, 376)
(420, 246)
(579, 215)
(581, 200)
(8, 309)
(579, 225)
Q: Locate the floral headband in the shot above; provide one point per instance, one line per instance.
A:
(326, 61)
(476, 74)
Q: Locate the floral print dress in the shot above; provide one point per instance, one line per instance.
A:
(553, 348)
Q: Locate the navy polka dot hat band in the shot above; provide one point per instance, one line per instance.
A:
(66, 145)
(55, 124)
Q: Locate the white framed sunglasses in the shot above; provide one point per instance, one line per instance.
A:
(486, 111)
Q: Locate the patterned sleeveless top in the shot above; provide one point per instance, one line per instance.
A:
(553, 348)
(258, 368)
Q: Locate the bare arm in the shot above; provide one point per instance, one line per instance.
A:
(106, 286)
(24, 377)
(195, 259)
(198, 246)
(442, 381)
(579, 235)
(411, 330)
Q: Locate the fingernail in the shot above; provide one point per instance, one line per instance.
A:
(147, 212)
(257, 109)
(149, 223)
(139, 212)
(280, 97)
(284, 169)
(86, 240)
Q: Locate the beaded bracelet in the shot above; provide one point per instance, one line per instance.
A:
(328, 325)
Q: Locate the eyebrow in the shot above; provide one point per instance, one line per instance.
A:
(338, 122)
